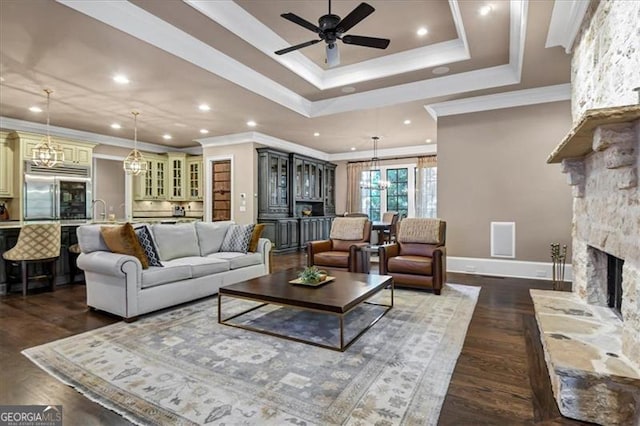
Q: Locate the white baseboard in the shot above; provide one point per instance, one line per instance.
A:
(505, 268)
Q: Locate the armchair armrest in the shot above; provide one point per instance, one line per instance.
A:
(385, 253)
(107, 263)
(439, 268)
(314, 247)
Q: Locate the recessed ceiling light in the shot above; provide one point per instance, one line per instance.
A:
(204, 131)
(121, 79)
(166, 137)
(485, 10)
(353, 148)
(427, 140)
(422, 31)
(316, 134)
(116, 126)
(407, 121)
(348, 89)
(204, 107)
(251, 123)
(35, 109)
(1, 78)
(440, 70)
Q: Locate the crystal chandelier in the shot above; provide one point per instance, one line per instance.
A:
(47, 153)
(135, 163)
(375, 165)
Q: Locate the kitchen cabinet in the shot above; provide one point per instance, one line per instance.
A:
(194, 178)
(6, 167)
(75, 152)
(177, 163)
(273, 184)
(152, 184)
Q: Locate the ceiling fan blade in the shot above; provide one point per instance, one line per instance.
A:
(302, 22)
(358, 14)
(297, 46)
(378, 43)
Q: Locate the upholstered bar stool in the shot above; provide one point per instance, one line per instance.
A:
(37, 243)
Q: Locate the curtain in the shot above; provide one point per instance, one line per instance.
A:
(426, 186)
(354, 193)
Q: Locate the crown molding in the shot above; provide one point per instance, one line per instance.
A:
(405, 151)
(137, 22)
(13, 124)
(234, 18)
(538, 95)
(566, 19)
(262, 139)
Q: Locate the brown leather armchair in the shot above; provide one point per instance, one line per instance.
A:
(342, 249)
(418, 258)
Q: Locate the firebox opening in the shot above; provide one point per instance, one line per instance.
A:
(614, 283)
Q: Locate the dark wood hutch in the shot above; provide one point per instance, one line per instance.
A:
(288, 185)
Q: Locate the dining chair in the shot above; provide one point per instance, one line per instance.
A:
(37, 243)
(389, 234)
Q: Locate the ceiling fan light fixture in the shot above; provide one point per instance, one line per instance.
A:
(47, 153)
(333, 55)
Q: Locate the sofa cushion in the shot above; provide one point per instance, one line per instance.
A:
(146, 242)
(90, 239)
(410, 265)
(338, 259)
(237, 238)
(201, 266)
(238, 260)
(174, 241)
(122, 239)
(211, 235)
(171, 272)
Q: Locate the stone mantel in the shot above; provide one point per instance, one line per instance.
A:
(578, 142)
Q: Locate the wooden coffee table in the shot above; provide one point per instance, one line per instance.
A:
(337, 297)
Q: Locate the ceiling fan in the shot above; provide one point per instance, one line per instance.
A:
(332, 28)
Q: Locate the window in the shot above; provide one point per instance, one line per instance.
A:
(397, 197)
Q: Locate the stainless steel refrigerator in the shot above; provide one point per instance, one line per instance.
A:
(56, 197)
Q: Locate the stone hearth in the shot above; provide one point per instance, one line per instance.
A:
(601, 159)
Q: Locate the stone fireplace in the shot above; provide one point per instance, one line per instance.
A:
(591, 337)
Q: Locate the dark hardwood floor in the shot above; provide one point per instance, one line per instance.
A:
(500, 377)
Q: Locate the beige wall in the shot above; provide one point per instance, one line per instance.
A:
(491, 167)
(244, 180)
(109, 186)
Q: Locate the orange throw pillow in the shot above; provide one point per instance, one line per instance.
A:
(123, 240)
(255, 236)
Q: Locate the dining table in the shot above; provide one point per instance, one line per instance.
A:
(380, 227)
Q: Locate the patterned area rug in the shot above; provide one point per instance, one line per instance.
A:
(182, 367)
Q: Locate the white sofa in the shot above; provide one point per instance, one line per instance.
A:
(193, 267)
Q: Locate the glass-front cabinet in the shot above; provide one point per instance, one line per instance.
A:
(296, 198)
(273, 185)
(151, 185)
(194, 178)
(177, 166)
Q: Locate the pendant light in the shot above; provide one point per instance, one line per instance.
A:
(135, 164)
(47, 153)
(375, 165)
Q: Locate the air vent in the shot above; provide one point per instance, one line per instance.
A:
(63, 170)
(503, 239)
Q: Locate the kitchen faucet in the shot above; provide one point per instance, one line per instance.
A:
(103, 215)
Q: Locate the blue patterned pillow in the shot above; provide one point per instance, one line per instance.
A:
(146, 241)
(237, 238)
